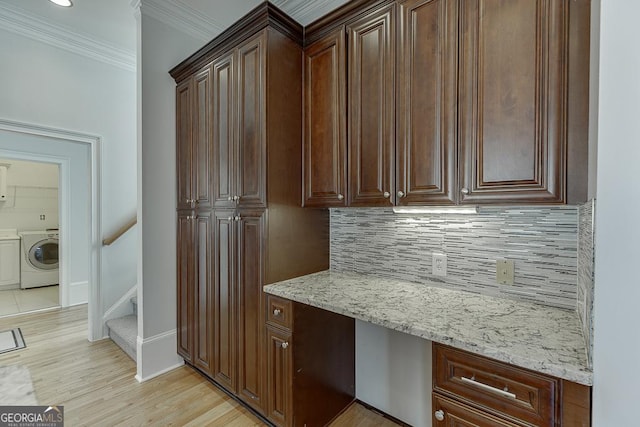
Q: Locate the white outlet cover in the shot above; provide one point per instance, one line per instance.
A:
(439, 264)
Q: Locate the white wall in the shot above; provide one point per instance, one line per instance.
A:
(32, 189)
(162, 48)
(617, 239)
(393, 373)
(47, 86)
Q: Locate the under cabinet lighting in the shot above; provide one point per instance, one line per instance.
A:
(435, 209)
(64, 3)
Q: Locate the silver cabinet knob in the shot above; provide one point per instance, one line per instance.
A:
(340, 197)
(229, 198)
(276, 312)
(230, 219)
(236, 198)
(401, 194)
(236, 218)
(386, 194)
(464, 191)
(284, 344)
(439, 415)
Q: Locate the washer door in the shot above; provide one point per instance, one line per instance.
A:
(44, 254)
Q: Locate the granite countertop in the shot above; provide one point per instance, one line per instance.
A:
(544, 339)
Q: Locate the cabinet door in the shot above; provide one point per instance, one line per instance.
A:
(223, 131)
(459, 415)
(186, 283)
(513, 68)
(279, 376)
(325, 112)
(202, 155)
(427, 90)
(371, 86)
(184, 144)
(9, 262)
(250, 311)
(203, 298)
(224, 296)
(252, 146)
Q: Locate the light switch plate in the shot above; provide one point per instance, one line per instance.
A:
(439, 264)
(505, 271)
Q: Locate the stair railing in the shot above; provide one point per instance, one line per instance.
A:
(115, 236)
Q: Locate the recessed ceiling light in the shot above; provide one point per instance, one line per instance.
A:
(65, 3)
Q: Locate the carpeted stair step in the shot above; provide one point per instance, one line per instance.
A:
(124, 332)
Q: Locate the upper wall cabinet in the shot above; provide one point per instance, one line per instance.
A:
(426, 113)
(512, 101)
(324, 146)
(475, 101)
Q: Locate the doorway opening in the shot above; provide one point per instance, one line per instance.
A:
(78, 159)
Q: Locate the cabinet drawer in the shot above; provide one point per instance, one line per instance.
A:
(447, 412)
(279, 311)
(500, 387)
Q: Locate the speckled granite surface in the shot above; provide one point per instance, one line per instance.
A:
(537, 337)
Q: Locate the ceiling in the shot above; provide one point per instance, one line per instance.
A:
(108, 26)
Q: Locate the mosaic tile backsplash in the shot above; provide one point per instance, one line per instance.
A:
(542, 241)
(585, 272)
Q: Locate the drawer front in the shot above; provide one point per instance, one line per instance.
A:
(447, 412)
(500, 387)
(279, 311)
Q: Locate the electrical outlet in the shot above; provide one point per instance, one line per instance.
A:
(42, 217)
(439, 264)
(504, 271)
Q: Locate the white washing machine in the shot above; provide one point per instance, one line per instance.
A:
(39, 258)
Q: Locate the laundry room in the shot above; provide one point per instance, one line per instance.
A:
(29, 238)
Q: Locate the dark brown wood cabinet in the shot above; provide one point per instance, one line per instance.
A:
(240, 221)
(513, 101)
(426, 144)
(325, 121)
(310, 363)
(449, 103)
(371, 100)
(473, 390)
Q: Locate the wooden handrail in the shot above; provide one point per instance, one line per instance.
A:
(115, 236)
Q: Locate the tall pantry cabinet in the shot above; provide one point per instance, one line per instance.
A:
(240, 225)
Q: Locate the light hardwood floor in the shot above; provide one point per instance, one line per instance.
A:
(95, 381)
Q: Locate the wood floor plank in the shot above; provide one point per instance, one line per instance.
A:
(95, 383)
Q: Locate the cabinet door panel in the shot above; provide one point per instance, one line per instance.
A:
(224, 312)
(251, 166)
(324, 146)
(223, 130)
(202, 138)
(427, 89)
(371, 108)
(186, 279)
(279, 376)
(203, 332)
(250, 315)
(513, 100)
(184, 144)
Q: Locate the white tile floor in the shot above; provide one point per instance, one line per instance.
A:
(23, 300)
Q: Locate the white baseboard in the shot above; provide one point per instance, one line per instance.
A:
(78, 293)
(157, 355)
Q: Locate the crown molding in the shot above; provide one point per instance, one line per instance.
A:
(23, 23)
(178, 15)
(305, 11)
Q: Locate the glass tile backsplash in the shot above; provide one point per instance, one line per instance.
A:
(542, 241)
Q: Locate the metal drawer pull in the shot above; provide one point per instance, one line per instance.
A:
(503, 393)
(276, 312)
(284, 344)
